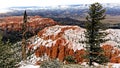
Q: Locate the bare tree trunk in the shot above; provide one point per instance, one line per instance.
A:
(24, 57)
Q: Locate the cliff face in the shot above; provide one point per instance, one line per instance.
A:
(61, 41)
(14, 23)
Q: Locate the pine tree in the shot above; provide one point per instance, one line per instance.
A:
(7, 58)
(24, 28)
(94, 34)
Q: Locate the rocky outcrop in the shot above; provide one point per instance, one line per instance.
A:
(14, 23)
(57, 42)
(112, 53)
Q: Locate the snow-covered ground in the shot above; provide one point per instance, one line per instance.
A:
(30, 66)
(115, 65)
(110, 65)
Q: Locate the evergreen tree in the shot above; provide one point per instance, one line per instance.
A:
(7, 55)
(94, 34)
(24, 28)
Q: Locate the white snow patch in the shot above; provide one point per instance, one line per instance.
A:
(114, 36)
(115, 65)
(75, 37)
(53, 30)
(30, 66)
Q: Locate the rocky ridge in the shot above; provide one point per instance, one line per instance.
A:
(57, 42)
(14, 23)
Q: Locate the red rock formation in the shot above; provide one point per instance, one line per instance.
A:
(67, 50)
(71, 52)
(61, 54)
(107, 50)
(61, 51)
(60, 44)
(79, 55)
(37, 53)
(112, 53)
(14, 23)
(54, 51)
(40, 51)
(49, 51)
(115, 59)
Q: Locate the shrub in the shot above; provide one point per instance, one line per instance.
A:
(7, 58)
(51, 64)
(70, 59)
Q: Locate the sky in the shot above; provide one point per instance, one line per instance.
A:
(13, 3)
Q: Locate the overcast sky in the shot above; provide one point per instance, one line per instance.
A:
(12, 3)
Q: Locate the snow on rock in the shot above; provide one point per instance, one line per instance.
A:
(115, 65)
(114, 36)
(61, 41)
(30, 66)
